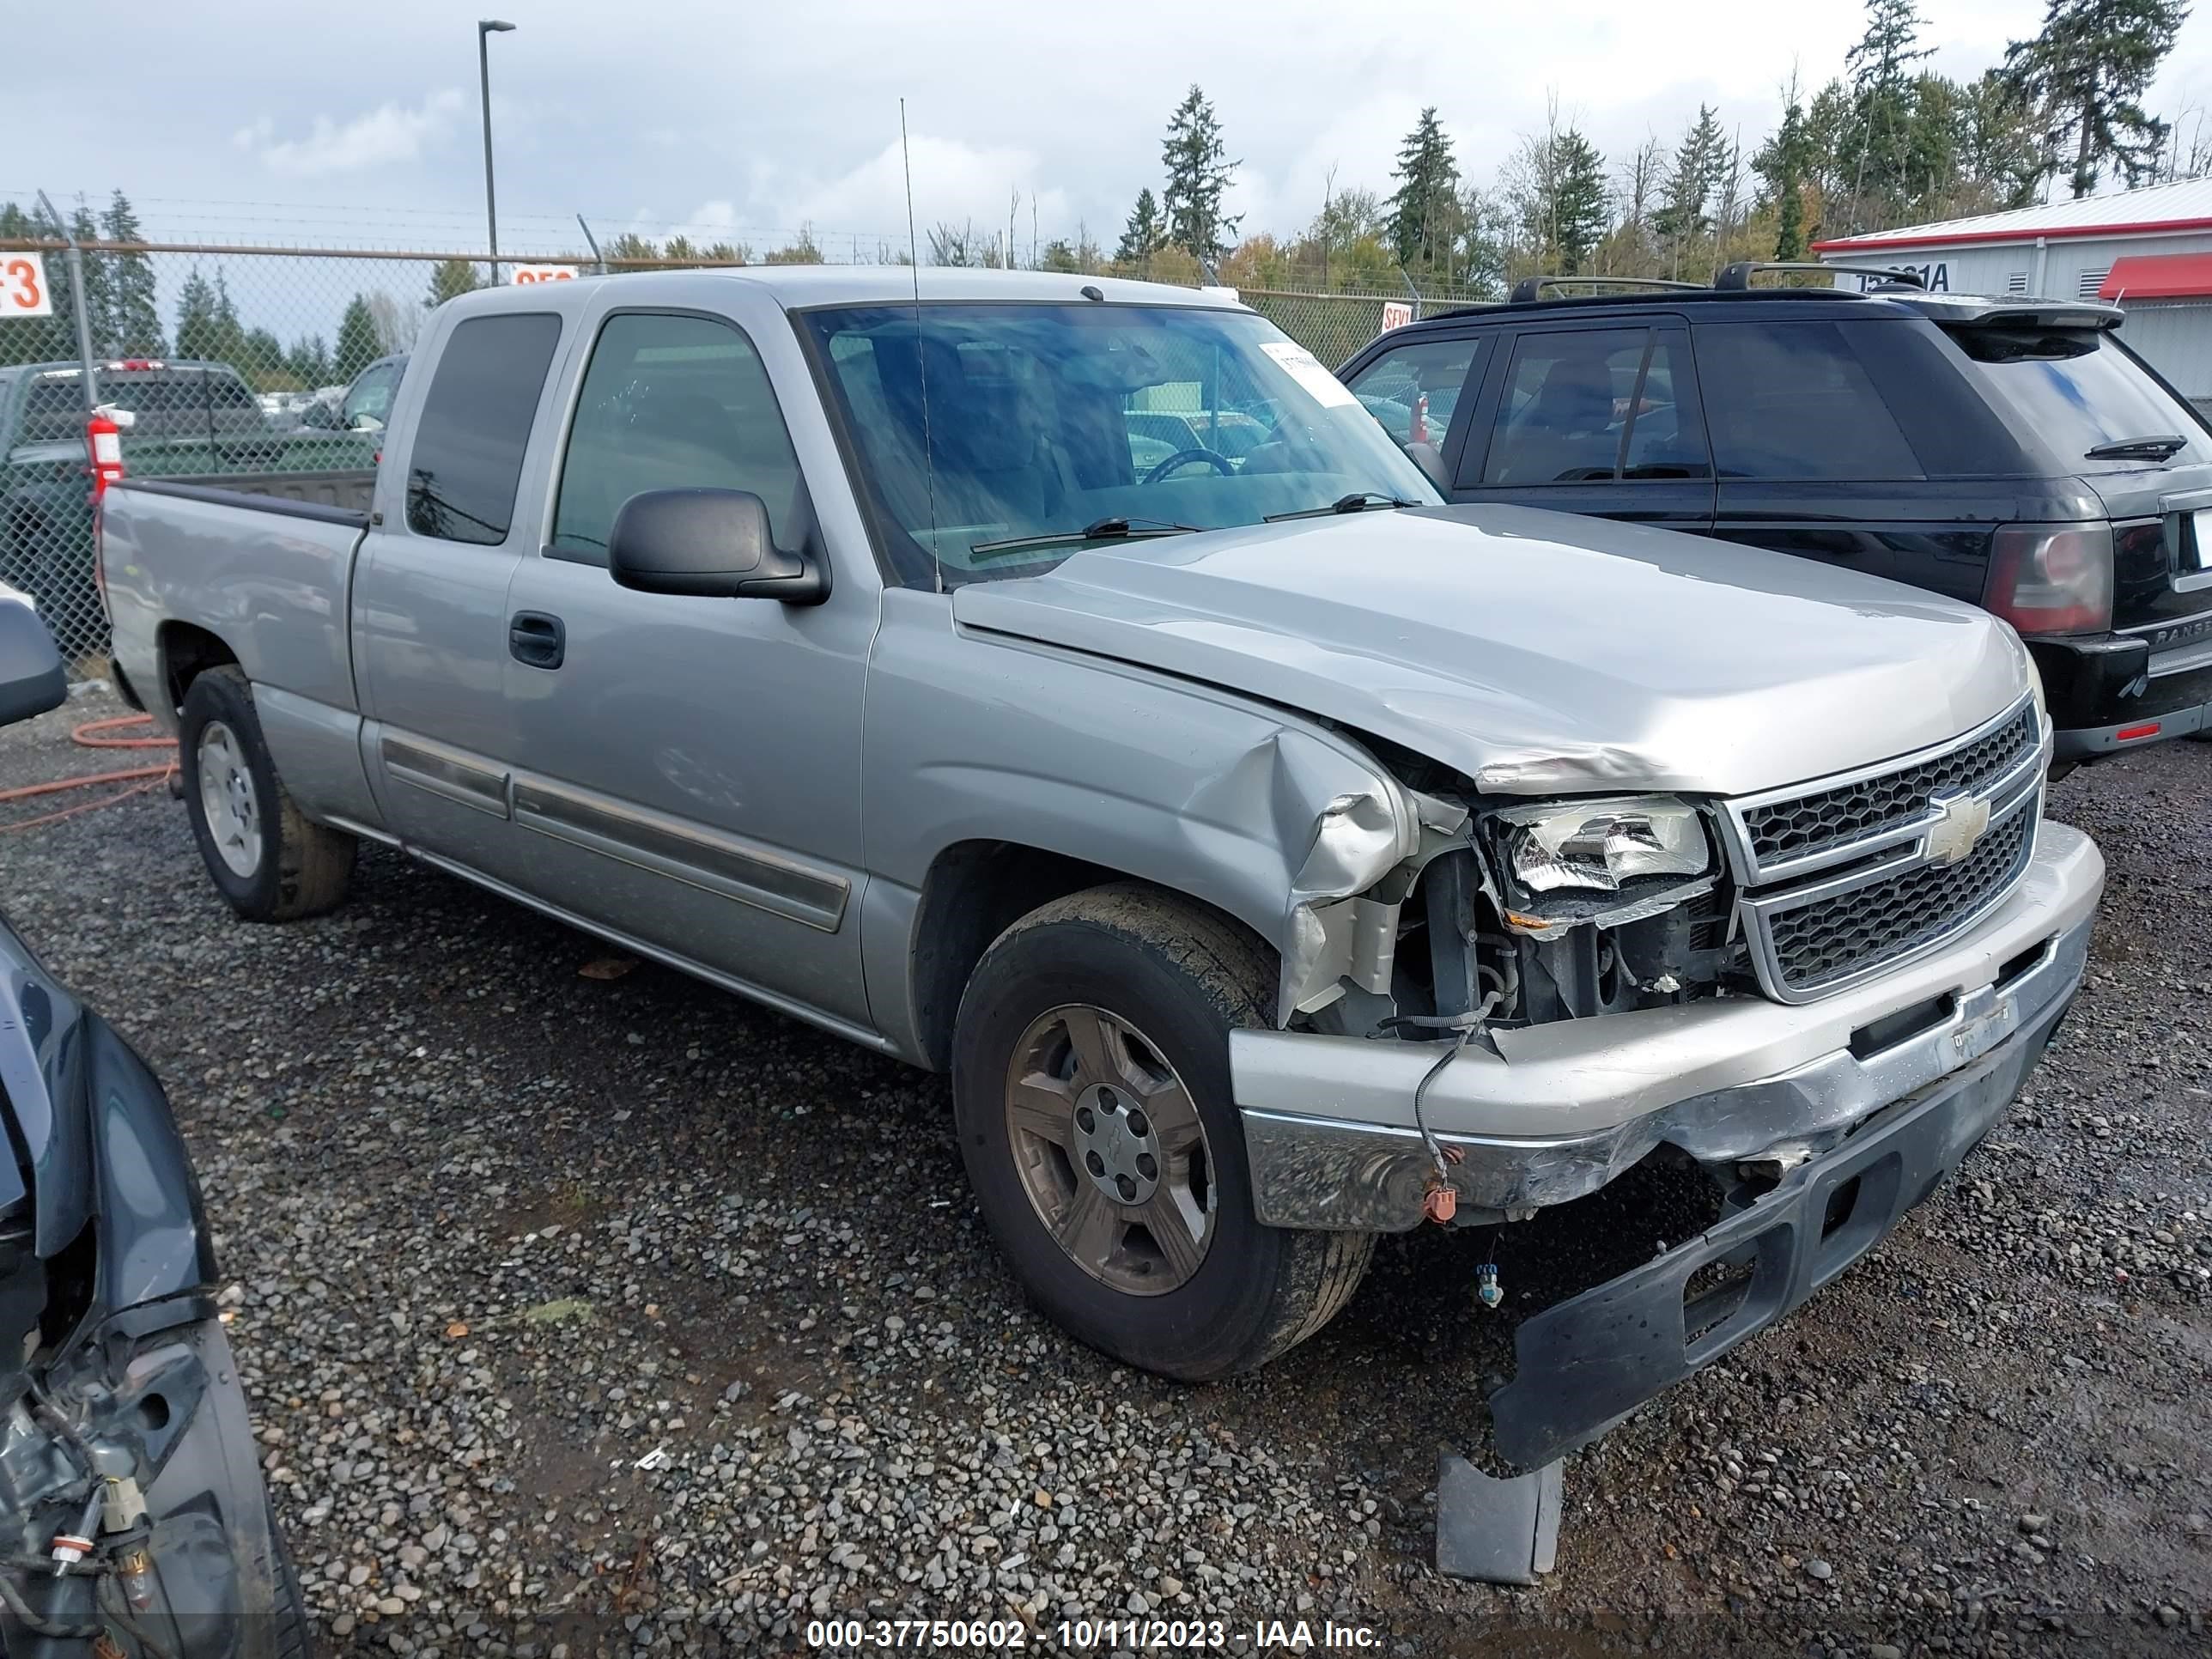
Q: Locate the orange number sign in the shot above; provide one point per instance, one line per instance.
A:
(23, 291)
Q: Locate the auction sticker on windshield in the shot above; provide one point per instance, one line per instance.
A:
(1305, 368)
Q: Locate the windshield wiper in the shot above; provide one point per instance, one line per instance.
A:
(1358, 501)
(2159, 446)
(1114, 529)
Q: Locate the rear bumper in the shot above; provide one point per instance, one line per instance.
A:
(1561, 1109)
(2114, 692)
(1582, 1365)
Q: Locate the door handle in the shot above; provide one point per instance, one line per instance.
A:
(536, 638)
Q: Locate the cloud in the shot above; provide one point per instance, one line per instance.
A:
(389, 134)
(953, 181)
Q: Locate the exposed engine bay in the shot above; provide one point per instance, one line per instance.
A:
(1529, 913)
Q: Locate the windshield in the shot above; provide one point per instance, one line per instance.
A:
(2079, 389)
(1047, 420)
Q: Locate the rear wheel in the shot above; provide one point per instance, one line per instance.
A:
(1091, 1087)
(271, 862)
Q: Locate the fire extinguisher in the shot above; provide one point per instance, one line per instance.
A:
(103, 441)
(1420, 432)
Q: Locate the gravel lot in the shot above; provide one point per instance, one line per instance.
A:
(495, 1232)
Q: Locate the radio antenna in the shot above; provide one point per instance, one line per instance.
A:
(920, 357)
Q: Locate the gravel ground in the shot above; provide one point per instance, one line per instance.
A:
(587, 1316)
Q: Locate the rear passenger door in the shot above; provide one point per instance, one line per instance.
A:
(429, 590)
(1603, 421)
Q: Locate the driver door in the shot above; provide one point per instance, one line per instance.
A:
(1599, 421)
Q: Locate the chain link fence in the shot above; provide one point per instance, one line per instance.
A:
(236, 361)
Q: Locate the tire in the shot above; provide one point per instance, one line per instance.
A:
(1176, 979)
(291, 1635)
(263, 855)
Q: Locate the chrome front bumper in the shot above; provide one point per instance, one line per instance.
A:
(1560, 1109)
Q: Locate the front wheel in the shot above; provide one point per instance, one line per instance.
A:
(265, 857)
(1091, 1093)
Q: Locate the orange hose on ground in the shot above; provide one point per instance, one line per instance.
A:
(93, 735)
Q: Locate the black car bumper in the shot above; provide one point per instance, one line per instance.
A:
(2110, 692)
(1586, 1364)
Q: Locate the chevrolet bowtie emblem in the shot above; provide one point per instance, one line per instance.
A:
(1962, 819)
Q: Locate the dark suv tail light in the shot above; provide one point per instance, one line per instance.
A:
(2051, 578)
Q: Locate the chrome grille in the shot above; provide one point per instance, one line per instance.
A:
(1784, 831)
(1829, 939)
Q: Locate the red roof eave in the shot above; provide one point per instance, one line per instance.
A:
(1877, 243)
(2159, 276)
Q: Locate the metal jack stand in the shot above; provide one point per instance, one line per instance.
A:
(1501, 1532)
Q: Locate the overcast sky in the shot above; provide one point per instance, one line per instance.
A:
(359, 123)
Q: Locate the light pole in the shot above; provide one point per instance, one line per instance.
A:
(486, 28)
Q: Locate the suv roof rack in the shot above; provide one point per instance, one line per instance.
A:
(1738, 275)
(1532, 287)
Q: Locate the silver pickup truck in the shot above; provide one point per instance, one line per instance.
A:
(1273, 856)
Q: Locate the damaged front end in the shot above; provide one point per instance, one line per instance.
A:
(132, 1516)
(1479, 918)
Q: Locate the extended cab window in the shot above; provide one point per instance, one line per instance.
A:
(670, 403)
(1596, 406)
(475, 426)
(1792, 400)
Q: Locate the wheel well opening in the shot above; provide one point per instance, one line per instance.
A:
(975, 891)
(188, 652)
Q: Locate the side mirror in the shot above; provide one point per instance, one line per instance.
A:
(708, 544)
(31, 677)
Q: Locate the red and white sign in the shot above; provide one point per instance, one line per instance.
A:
(1396, 313)
(23, 290)
(545, 273)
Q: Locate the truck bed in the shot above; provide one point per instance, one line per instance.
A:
(263, 564)
(346, 492)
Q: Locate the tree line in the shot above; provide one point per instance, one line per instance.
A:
(1888, 142)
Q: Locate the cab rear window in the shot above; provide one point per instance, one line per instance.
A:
(2078, 389)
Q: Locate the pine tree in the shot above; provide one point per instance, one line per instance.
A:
(1145, 233)
(1701, 161)
(1198, 173)
(1879, 136)
(1580, 210)
(2001, 151)
(2086, 72)
(1422, 210)
(309, 361)
(450, 278)
(357, 342)
(99, 286)
(1781, 164)
(133, 313)
(198, 326)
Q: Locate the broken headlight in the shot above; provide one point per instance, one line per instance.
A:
(1601, 846)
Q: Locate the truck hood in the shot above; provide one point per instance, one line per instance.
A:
(1536, 651)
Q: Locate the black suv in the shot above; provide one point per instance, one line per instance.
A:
(2008, 452)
